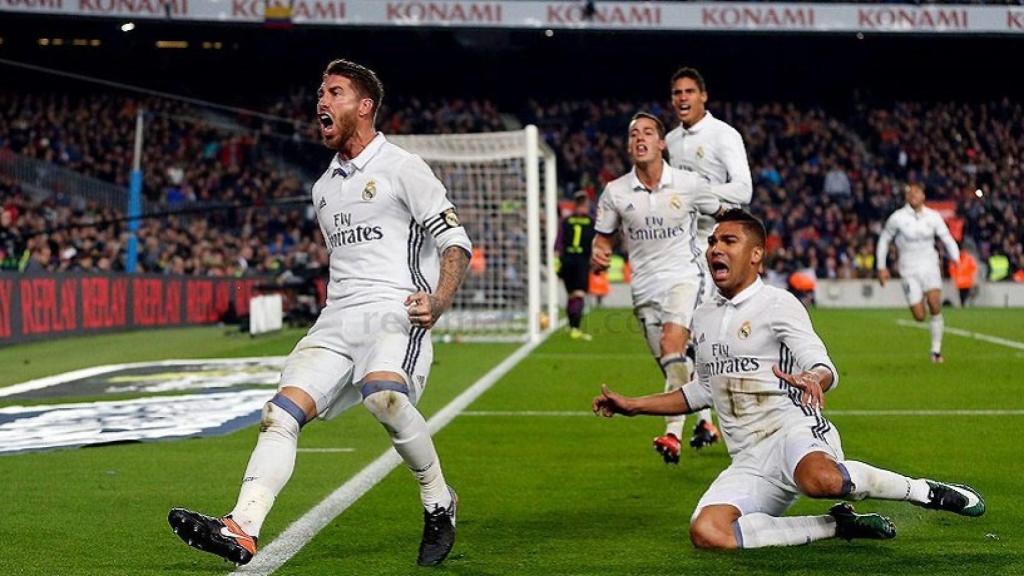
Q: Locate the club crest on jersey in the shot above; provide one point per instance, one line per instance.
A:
(745, 330)
(370, 191)
(676, 202)
(700, 152)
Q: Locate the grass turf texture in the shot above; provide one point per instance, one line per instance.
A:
(541, 495)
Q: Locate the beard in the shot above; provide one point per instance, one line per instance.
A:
(344, 129)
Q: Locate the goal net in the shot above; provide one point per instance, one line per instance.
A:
(503, 184)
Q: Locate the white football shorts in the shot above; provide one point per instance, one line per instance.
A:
(347, 343)
(918, 281)
(675, 306)
(760, 479)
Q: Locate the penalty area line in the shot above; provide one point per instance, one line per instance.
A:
(300, 532)
(967, 334)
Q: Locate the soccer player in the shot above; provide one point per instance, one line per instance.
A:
(710, 147)
(656, 207)
(763, 368)
(397, 255)
(574, 241)
(915, 226)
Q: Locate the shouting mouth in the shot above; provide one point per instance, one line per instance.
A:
(327, 127)
(719, 270)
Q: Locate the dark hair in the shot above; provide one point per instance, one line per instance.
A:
(691, 73)
(364, 80)
(752, 224)
(657, 122)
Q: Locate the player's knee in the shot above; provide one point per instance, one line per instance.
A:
(918, 314)
(821, 483)
(385, 399)
(707, 535)
(276, 420)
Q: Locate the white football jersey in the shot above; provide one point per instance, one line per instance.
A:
(658, 227)
(915, 234)
(737, 341)
(386, 219)
(714, 150)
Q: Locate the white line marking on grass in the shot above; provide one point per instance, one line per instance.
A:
(325, 450)
(574, 414)
(968, 334)
(590, 356)
(300, 532)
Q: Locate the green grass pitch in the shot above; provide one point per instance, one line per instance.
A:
(546, 494)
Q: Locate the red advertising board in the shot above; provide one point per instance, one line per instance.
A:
(35, 307)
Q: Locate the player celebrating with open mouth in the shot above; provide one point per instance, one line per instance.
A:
(765, 371)
(656, 206)
(397, 255)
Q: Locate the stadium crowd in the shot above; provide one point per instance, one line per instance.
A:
(824, 184)
(823, 181)
(190, 160)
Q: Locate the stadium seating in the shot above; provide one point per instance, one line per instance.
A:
(824, 180)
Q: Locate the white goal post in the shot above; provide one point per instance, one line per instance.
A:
(504, 186)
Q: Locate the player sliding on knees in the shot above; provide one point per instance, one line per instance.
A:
(765, 371)
(397, 255)
(656, 208)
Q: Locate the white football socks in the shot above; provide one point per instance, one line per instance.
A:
(758, 530)
(270, 467)
(677, 374)
(412, 441)
(937, 325)
(870, 482)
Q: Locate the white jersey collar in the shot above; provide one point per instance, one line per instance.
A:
(665, 182)
(699, 125)
(347, 167)
(744, 295)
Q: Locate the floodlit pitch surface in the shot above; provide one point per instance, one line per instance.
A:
(544, 488)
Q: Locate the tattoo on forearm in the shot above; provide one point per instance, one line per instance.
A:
(454, 263)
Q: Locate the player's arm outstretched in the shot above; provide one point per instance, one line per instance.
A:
(427, 201)
(694, 396)
(609, 403)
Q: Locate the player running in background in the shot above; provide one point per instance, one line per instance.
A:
(656, 206)
(710, 147)
(915, 226)
(397, 255)
(575, 237)
(763, 368)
